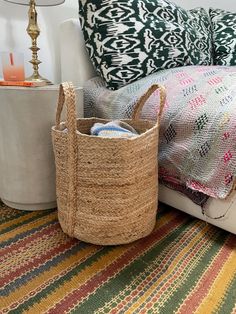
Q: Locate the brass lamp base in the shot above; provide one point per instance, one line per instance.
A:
(34, 31)
(38, 79)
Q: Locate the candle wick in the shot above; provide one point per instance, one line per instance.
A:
(11, 59)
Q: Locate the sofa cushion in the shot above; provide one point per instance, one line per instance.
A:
(129, 39)
(224, 36)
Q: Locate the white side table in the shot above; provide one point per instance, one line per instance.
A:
(27, 170)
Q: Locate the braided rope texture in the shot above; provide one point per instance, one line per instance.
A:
(106, 188)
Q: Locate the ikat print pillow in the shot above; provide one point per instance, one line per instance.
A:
(224, 36)
(202, 24)
(129, 39)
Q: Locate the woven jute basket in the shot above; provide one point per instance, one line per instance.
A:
(107, 188)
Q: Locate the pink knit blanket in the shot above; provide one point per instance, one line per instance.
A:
(198, 127)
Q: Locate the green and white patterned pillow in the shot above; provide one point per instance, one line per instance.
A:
(224, 36)
(129, 39)
(202, 24)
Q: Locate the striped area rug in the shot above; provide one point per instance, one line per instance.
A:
(184, 266)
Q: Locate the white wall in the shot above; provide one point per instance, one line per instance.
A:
(221, 4)
(13, 36)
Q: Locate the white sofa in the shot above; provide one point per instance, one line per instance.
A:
(76, 67)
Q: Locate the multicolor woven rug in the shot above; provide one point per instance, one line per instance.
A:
(184, 266)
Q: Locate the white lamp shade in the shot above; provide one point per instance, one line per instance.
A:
(43, 3)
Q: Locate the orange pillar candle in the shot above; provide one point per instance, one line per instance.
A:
(13, 66)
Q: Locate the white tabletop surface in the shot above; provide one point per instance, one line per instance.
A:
(42, 88)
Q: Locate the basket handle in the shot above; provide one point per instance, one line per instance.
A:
(142, 100)
(67, 97)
